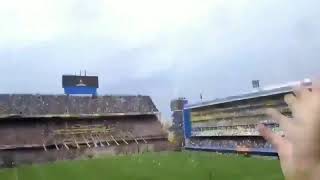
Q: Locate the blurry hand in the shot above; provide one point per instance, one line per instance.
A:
(299, 149)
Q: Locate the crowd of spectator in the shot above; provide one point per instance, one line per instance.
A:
(230, 143)
(36, 104)
(241, 130)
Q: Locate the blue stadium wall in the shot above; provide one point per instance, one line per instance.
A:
(253, 151)
(187, 123)
(80, 90)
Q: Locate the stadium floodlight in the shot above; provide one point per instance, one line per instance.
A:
(256, 84)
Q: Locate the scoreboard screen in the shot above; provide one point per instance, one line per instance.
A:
(80, 81)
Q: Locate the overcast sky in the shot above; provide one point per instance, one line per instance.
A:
(163, 48)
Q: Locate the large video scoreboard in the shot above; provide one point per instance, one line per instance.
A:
(74, 84)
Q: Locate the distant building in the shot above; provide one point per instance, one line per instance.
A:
(176, 107)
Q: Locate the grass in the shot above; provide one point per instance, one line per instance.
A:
(154, 166)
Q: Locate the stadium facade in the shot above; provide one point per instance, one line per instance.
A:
(229, 124)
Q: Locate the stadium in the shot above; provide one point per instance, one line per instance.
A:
(121, 137)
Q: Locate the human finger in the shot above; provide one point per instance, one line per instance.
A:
(271, 137)
(285, 122)
(301, 92)
(290, 99)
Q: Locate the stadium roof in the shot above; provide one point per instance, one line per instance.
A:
(269, 91)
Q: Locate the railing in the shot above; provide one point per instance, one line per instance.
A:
(233, 149)
(96, 140)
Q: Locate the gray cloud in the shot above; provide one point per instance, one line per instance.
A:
(217, 55)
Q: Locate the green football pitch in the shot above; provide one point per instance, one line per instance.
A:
(153, 166)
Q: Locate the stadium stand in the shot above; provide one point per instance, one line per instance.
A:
(229, 124)
(68, 127)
